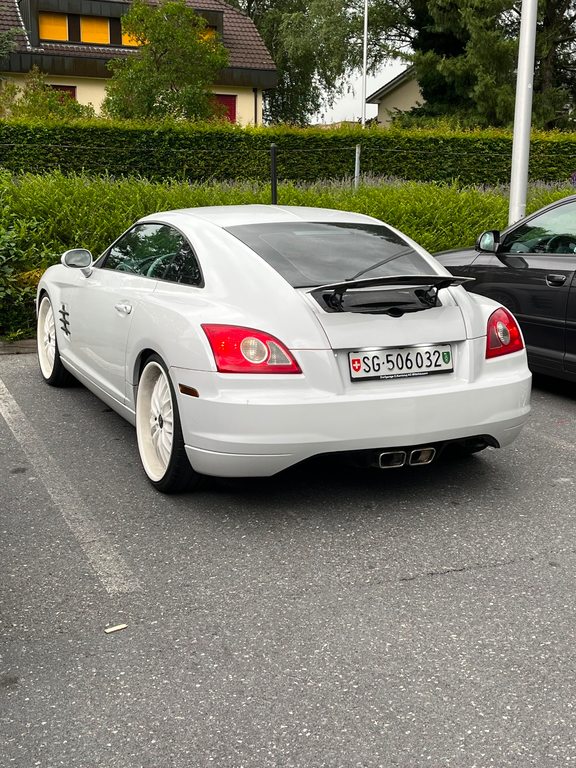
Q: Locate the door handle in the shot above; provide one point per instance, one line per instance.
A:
(123, 308)
(553, 279)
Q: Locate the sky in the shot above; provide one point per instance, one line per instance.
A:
(349, 107)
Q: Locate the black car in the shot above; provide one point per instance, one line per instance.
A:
(530, 268)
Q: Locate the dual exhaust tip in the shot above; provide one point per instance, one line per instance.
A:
(416, 457)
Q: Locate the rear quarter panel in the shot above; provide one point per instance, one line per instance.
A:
(240, 289)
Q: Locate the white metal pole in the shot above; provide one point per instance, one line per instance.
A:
(523, 111)
(364, 63)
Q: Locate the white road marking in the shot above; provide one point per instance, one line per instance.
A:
(559, 443)
(109, 566)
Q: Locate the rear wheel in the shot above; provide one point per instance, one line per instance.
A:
(160, 441)
(51, 366)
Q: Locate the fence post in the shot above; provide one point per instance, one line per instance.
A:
(273, 176)
(357, 167)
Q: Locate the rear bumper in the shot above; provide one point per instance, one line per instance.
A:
(241, 433)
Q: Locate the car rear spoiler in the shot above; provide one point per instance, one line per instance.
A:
(434, 283)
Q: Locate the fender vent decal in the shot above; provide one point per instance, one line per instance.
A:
(64, 322)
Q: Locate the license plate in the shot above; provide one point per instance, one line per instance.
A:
(401, 362)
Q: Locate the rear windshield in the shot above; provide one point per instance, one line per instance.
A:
(308, 254)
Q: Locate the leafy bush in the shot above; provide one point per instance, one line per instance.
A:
(36, 100)
(17, 289)
(202, 153)
(42, 216)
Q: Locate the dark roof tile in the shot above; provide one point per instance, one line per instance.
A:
(10, 18)
(245, 47)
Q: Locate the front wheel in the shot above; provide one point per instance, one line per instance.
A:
(160, 441)
(51, 366)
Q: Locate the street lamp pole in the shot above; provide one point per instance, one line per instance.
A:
(364, 73)
(364, 63)
(523, 111)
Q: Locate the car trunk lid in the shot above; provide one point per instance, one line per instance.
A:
(394, 311)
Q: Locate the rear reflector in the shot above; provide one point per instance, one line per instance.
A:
(188, 390)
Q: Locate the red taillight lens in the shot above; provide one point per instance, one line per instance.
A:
(503, 334)
(246, 350)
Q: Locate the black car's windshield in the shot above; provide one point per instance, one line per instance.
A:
(308, 254)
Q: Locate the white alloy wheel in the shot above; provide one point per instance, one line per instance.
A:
(51, 366)
(160, 441)
(155, 416)
(46, 338)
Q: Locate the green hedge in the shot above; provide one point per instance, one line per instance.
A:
(201, 153)
(43, 215)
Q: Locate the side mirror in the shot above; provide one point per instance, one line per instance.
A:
(78, 258)
(488, 241)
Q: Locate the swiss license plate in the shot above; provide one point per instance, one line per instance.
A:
(400, 362)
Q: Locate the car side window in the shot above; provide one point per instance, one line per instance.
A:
(551, 232)
(155, 250)
(183, 267)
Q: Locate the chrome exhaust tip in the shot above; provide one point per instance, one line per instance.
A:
(392, 459)
(421, 456)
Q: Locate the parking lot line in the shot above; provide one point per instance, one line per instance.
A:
(109, 566)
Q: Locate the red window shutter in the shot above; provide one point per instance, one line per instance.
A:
(65, 90)
(229, 103)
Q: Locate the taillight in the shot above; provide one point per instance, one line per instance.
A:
(246, 350)
(503, 334)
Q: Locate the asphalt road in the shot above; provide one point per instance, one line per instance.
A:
(326, 617)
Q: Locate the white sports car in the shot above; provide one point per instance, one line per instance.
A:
(241, 340)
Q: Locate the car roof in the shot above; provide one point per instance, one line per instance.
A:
(235, 215)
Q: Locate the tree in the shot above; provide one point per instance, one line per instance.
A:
(7, 42)
(36, 100)
(435, 44)
(555, 76)
(465, 54)
(314, 44)
(170, 74)
(7, 45)
(470, 56)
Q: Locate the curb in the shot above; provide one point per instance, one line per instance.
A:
(20, 347)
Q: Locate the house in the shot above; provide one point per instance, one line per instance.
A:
(72, 41)
(400, 94)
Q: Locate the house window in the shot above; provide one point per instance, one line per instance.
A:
(94, 30)
(53, 26)
(229, 104)
(65, 91)
(129, 40)
(209, 33)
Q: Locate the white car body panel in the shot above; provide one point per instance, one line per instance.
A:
(255, 424)
(345, 331)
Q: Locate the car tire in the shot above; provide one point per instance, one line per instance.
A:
(51, 368)
(159, 433)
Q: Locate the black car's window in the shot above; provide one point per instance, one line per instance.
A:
(307, 254)
(155, 250)
(551, 232)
